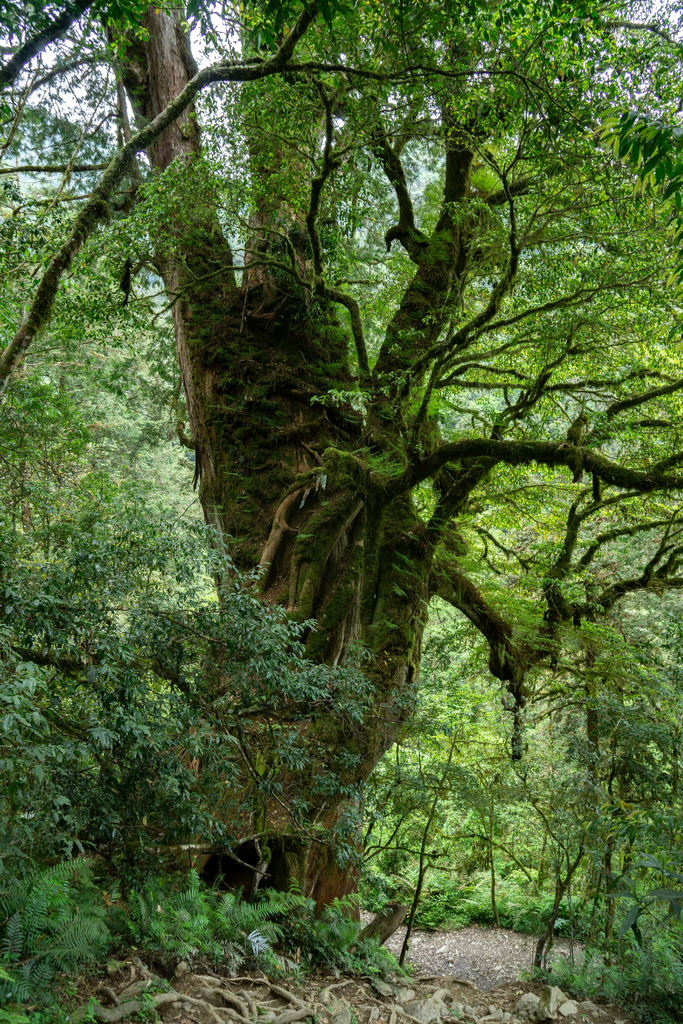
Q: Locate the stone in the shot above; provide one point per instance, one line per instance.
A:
(427, 1011)
(382, 987)
(443, 949)
(549, 1003)
(342, 1016)
(587, 1007)
(403, 995)
(444, 994)
(570, 1009)
(180, 969)
(527, 1004)
(374, 1014)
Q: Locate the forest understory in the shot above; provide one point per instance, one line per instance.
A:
(341, 510)
(209, 998)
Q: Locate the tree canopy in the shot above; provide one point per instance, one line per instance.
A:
(411, 314)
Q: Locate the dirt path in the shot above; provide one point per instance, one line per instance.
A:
(486, 956)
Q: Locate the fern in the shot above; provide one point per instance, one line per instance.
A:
(52, 921)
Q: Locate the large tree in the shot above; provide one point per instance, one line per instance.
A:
(420, 317)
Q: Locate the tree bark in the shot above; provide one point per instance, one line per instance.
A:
(560, 889)
(384, 924)
(276, 472)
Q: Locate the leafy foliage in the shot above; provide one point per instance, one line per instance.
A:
(51, 921)
(192, 920)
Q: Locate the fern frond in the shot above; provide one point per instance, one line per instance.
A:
(13, 939)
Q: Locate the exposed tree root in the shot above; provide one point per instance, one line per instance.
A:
(123, 1009)
(258, 1000)
(221, 1003)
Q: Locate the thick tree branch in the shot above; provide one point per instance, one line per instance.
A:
(10, 71)
(52, 168)
(646, 26)
(524, 453)
(610, 535)
(96, 208)
(330, 162)
(451, 585)
(405, 232)
(646, 396)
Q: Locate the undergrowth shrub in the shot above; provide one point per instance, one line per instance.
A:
(195, 920)
(53, 920)
(456, 904)
(647, 977)
(331, 940)
(58, 919)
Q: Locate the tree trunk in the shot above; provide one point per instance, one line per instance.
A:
(560, 889)
(276, 471)
(384, 924)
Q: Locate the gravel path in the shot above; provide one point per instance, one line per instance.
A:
(486, 956)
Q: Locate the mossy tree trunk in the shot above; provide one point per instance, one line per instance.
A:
(321, 495)
(278, 473)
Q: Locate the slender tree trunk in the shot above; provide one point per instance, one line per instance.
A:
(560, 889)
(494, 905)
(541, 875)
(423, 864)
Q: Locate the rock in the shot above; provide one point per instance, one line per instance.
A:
(587, 1007)
(549, 1003)
(382, 987)
(342, 1016)
(527, 1004)
(428, 1011)
(180, 969)
(374, 1014)
(570, 1009)
(444, 994)
(493, 1014)
(403, 995)
(442, 949)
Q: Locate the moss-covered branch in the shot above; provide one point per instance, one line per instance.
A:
(52, 168)
(10, 71)
(546, 453)
(646, 396)
(96, 208)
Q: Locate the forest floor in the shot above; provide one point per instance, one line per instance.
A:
(201, 995)
(485, 956)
